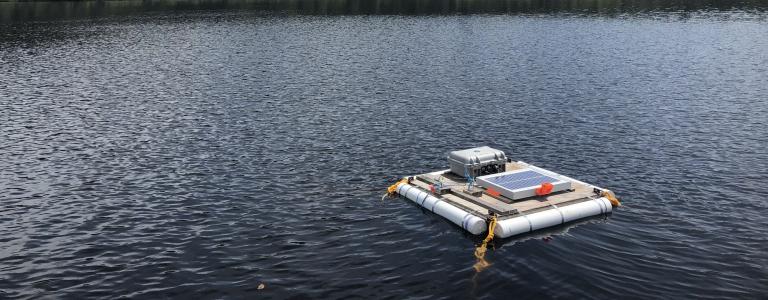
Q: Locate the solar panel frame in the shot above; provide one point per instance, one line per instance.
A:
(521, 180)
(518, 184)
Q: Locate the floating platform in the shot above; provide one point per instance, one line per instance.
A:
(521, 197)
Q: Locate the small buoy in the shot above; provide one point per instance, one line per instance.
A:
(261, 286)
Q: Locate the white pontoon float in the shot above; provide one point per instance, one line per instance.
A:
(484, 185)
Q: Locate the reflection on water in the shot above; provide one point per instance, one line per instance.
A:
(22, 11)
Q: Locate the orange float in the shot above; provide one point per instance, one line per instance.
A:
(545, 189)
(492, 192)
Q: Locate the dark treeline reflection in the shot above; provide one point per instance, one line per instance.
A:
(45, 10)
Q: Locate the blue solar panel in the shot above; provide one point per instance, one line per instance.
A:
(521, 180)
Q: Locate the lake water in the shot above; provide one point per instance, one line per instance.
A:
(240, 149)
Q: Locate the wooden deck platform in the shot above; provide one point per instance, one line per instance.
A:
(481, 204)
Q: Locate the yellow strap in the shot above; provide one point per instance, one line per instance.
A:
(611, 197)
(481, 263)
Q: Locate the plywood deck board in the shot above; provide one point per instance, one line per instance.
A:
(479, 204)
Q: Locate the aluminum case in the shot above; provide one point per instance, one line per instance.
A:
(477, 161)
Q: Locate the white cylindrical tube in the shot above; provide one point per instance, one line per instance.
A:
(585, 209)
(544, 219)
(552, 217)
(469, 222)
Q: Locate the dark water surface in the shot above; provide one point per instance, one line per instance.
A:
(203, 152)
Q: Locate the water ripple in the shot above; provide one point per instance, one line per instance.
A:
(204, 154)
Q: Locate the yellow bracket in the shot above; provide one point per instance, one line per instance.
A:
(393, 188)
(611, 197)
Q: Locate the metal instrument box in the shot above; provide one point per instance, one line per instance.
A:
(477, 161)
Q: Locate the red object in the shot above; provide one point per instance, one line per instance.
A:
(432, 189)
(492, 192)
(545, 189)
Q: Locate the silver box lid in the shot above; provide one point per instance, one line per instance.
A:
(479, 155)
